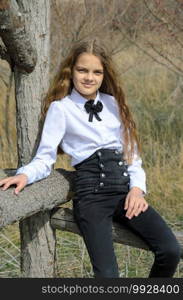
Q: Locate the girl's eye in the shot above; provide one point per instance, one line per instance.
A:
(99, 72)
(82, 70)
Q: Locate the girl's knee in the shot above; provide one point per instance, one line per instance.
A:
(170, 253)
(174, 252)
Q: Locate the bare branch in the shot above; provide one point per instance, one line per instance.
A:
(16, 40)
(166, 23)
(165, 57)
(176, 71)
(163, 21)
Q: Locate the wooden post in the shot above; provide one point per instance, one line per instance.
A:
(25, 31)
(38, 243)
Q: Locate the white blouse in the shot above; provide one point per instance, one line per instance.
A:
(66, 125)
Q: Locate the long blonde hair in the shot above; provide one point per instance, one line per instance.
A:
(62, 85)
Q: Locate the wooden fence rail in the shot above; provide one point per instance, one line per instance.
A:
(49, 194)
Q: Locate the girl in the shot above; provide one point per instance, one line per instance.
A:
(89, 119)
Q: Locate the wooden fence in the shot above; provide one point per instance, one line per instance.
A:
(49, 195)
(25, 33)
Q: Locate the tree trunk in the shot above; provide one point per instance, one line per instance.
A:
(37, 236)
(38, 254)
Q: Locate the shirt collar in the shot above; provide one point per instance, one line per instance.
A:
(79, 100)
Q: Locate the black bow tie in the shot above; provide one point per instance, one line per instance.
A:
(93, 109)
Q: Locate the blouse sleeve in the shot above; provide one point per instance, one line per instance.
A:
(137, 173)
(52, 134)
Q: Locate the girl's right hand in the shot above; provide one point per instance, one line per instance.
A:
(19, 180)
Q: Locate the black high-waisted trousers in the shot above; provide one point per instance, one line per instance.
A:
(101, 186)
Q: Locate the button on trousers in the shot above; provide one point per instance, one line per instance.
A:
(101, 186)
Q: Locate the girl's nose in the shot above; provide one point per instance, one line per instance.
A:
(89, 76)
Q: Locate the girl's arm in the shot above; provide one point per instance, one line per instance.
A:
(52, 134)
(137, 173)
(40, 166)
(135, 202)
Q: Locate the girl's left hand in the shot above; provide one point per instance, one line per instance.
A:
(135, 203)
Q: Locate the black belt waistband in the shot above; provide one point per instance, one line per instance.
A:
(103, 153)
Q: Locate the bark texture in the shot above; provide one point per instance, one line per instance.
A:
(38, 247)
(40, 196)
(37, 237)
(17, 41)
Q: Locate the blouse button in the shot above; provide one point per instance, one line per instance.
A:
(120, 163)
(102, 175)
(101, 184)
(125, 174)
(99, 153)
(101, 165)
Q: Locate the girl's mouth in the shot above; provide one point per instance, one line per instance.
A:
(87, 85)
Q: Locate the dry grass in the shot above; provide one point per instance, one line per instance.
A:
(148, 86)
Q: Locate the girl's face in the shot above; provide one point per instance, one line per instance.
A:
(87, 75)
